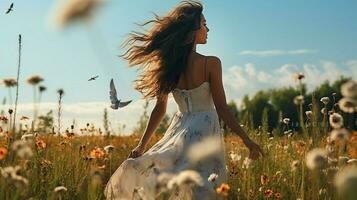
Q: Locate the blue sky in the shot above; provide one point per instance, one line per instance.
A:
(260, 43)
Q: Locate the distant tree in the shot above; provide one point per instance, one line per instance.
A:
(45, 123)
(106, 122)
(163, 125)
(234, 110)
(143, 121)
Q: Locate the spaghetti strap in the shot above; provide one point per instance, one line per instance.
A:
(205, 67)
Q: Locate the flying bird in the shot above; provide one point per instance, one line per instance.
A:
(93, 78)
(10, 8)
(115, 103)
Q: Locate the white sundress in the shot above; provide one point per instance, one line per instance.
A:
(195, 119)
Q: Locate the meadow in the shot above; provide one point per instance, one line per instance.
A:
(44, 160)
(319, 163)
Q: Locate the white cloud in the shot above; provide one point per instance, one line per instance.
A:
(92, 112)
(235, 77)
(249, 68)
(276, 52)
(240, 81)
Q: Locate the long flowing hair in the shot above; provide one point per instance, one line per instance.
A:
(162, 52)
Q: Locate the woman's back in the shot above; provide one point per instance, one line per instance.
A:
(196, 73)
(196, 96)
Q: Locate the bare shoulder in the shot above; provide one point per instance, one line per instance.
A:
(214, 65)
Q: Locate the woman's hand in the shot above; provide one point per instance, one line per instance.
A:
(137, 151)
(254, 149)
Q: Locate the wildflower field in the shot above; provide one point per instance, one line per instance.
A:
(297, 165)
(309, 140)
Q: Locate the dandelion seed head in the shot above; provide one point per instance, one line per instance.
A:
(316, 158)
(325, 100)
(60, 189)
(340, 134)
(348, 105)
(286, 120)
(34, 80)
(212, 177)
(234, 156)
(349, 89)
(109, 148)
(211, 146)
(9, 82)
(309, 114)
(299, 100)
(346, 181)
(298, 76)
(336, 120)
(75, 10)
(186, 177)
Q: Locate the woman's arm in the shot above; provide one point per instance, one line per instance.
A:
(223, 111)
(155, 118)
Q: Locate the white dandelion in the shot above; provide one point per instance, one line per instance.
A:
(75, 10)
(298, 76)
(246, 163)
(22, 149)
(286, 120)
(109, 148)
(299, 100)
(12, 173)
(234, 156)
(325, 100)
(340, 134)
(212, 177)
(316, 158)
(186, 177)
(351, 161)
(27, 137)
(349, 89)
(343, 160)
(59, 189)
(346, 182)
(308, 114)
(347, 105)
(336, 120)
(211, 146)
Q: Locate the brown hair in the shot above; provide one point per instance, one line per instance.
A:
(163, 51)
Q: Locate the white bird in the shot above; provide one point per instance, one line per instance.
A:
(115, 103)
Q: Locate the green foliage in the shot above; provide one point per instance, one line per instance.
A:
(45, 123)
(106, 122)
(163, 125)
(278, 104)
(143, 121)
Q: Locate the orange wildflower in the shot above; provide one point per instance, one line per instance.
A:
(268, 193)
(264, 179)
(223, 189)
(3, 118)
(277, 195)
(40, 144)
(3, 152)
(97, 153)
(352, 153)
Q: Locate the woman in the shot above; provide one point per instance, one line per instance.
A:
(172, 168)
